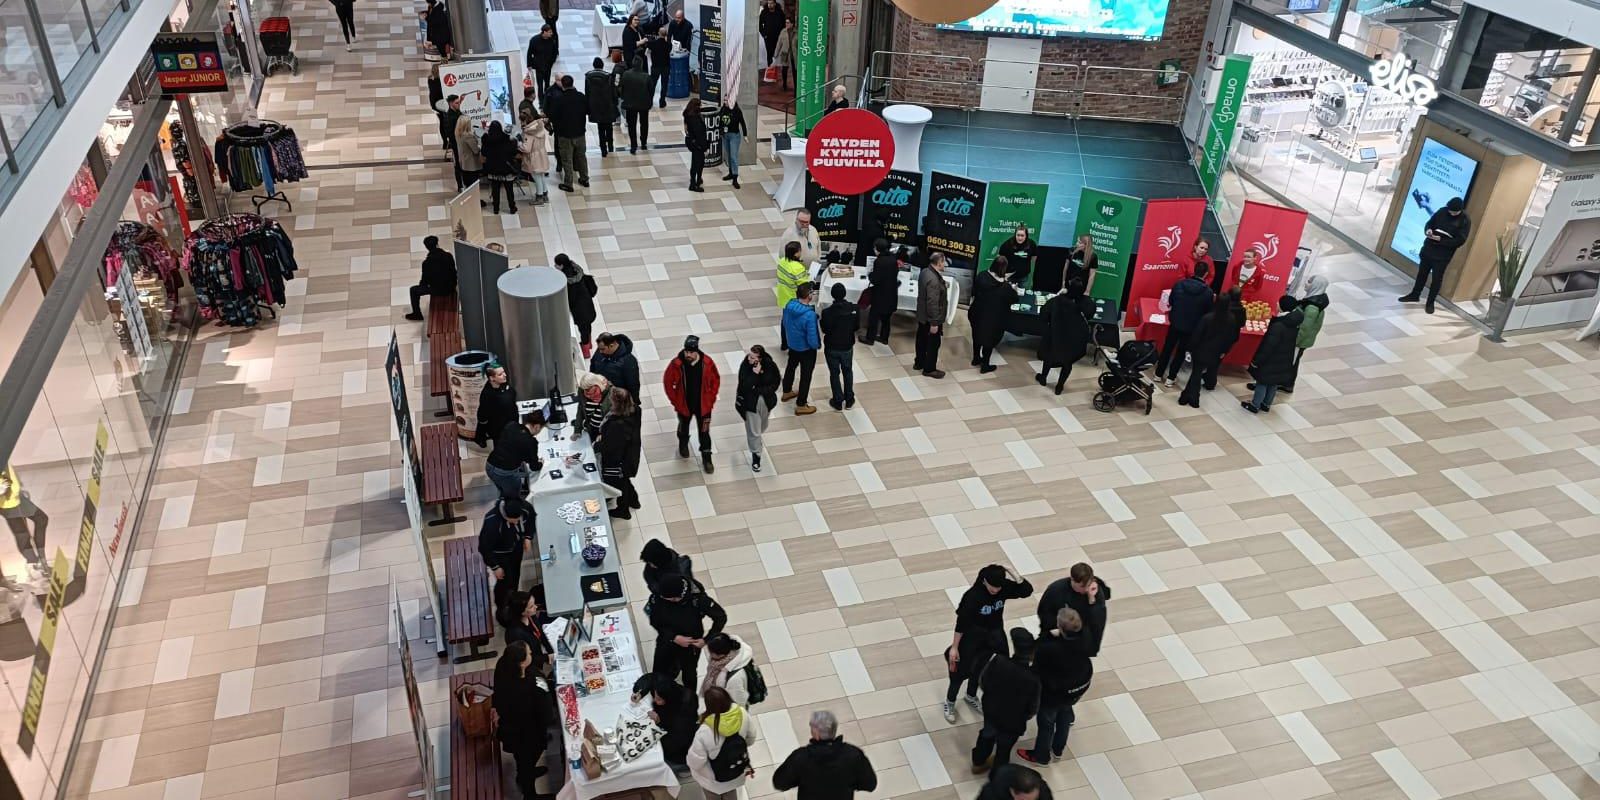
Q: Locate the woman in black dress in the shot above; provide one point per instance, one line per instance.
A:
(992, 298)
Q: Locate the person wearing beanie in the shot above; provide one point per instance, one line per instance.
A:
(839, 323)
(1010, 699)
(692, 383)
(678, 609)
(980, 635)
(1445, 232)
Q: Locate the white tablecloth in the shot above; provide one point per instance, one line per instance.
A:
(791, 192)
(609, 34)
(907, 301)
(905, 125)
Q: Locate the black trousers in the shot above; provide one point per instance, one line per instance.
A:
(638, 129)
(604, 130)
(1427, 267)
(1061, 382)
(702, 423)
(697, 165)
(661, 78)
(497, 188)
(347, 20)
(997, 742)
(585, 329)
(513, 578)
(967, 671)
(1200, 374)
(29, 544)
(1294, 372)
(541, 81)
(805, 361)
(771, 41)
(1172, 352)
(927, 347)
(527, 755)
(622, 483)
(672, 661)
(878, 325)
(981, 353)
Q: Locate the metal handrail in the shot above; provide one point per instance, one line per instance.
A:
(1182, 101)
(790, 108)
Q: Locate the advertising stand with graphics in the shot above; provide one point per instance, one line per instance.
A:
(1110, 219)
(894, 204)
(1559, 283)
(955, 217)
(1170, 230)
(1224, 121)
(466, 215)
(850, 151)
(411, 476)
(834, 215)
(711, 55)
(408, 678)
(1007, 206)
(484, 83)
(811, 64)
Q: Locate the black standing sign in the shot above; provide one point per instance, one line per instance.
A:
(711, 55)
(834, 215)
(402, 410)
(955, 216)
(891, 208)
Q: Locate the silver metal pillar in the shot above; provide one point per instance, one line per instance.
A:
(469, 21)
(1580, 99)
(538, 331)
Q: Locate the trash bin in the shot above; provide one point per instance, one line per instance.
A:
(714, 133)
(678, 75)
(466, 386)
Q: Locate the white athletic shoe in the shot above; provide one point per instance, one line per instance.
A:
(949, 712)
(973, 701)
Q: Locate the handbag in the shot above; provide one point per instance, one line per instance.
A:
(475, 710)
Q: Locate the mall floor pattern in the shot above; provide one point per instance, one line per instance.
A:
(1386, 588)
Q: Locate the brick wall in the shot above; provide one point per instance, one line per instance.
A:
(949, 82)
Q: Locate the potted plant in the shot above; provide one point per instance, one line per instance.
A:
(1510, 258)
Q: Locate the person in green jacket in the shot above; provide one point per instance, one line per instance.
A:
(1314, 304)
(791, 273)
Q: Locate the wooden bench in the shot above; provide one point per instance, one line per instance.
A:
(469, 611)
(444, 340)
(441, 470)
(474, 763)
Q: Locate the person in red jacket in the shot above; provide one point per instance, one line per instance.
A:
(692, 382)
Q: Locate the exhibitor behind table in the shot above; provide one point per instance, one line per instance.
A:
(1150, 322)
(823, 276)
(571, 514)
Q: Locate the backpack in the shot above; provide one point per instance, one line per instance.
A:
(733, 760)
(755, 685)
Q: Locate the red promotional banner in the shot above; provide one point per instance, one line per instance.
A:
(1273, 234)
(849, 151)
(1171, 227)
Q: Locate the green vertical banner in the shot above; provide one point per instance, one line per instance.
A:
(1007, 206)
(1224, 120)
(811, 64)
(1111, 220)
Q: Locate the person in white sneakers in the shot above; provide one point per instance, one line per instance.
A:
(980, 632)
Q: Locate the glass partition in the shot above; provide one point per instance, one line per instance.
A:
(24, 84)
(67, 28)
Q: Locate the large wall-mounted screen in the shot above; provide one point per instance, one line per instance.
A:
(1441, 173)
(1137, 20)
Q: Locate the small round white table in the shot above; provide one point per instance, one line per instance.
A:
(905, 124)
(791, 192)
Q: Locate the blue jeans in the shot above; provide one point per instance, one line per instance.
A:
(730, 151)
(1055, 722)
(510, 482)
(841, 368)
(1264, 394)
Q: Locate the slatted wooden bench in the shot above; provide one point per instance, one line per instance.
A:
(444, 340)
(474, 763)
(469, 611)
(441, 470)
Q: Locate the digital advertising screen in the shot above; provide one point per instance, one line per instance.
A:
(1441, 173)
(1137, 20)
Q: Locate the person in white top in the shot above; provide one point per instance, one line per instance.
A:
(719, 725)
(802, 232)
(726, 657)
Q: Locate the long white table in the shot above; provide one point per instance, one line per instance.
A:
(563, 570)
(907, 300)
(609, 33)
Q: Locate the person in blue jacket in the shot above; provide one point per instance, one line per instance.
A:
(800, 329)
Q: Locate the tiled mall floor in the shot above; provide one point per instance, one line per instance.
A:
(1385, 589)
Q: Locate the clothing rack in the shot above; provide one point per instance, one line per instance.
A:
(260, 153)
(138, 246)
(238, 265)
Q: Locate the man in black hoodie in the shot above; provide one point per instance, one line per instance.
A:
(1015, 782)
(613, 359)
(1010, 699)
(672, 707)
(826, 768)
(679, 608)
(1446, 231)
(543, 50)
(502, 540)
(1082, 592)
(1064, 668)
(661, 560)
(839, 323)
(1190, 300)
(660, 46)
(569, 114)
(438, 277)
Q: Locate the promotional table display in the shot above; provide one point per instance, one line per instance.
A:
(1166, 241)
(569, 499)
(855, 282)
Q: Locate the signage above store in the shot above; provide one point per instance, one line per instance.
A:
(188, 63)
(1394, 74)
(849, 151)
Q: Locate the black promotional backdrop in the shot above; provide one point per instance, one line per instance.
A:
(955, 216)
(836, 216)
(890, 210)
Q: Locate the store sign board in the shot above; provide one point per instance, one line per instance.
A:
(33, 706)
(955, 216)
(1008, 205)
(1558, 284)
(835, 215)
(1110, 221)
(188, 63)
(1224, 121)
(1395, 74)
(1171, 227)
(811, 64)
(1273, 232)
(711, 55)
(895, 204)
(850, 151)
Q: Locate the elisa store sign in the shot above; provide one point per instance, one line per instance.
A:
(1396, 75)
(849, 151)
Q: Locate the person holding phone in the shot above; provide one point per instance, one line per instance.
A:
(1445, 232)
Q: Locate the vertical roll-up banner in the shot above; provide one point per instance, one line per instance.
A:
(710, 55)
(1224, 120)
(811, 64)
(1171, 228)
(955, 217)
(1273, 232)
(835, 216)
(895, 203)
(733, 45)
(1110, 220)
(1008, 205)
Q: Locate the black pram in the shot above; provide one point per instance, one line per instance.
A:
(1124, 376)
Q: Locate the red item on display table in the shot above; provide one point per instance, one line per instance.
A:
(1273, 232)
(850, 151)
(1165, 244)
(1143, 328)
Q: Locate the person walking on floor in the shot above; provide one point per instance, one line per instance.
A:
(660, 46)
(757, 395)
(502, 540)
(515, 457)
(1314, 305)
(1274, 360)
(679, 608)
(438, 277)
(1010, 699)
(544, 50)
(840, 321)
(602, 94)
(1190, 299)
(535, 149)
(784, 54)
(694, 138)
(719, 756)
(1066, 334)
(618, 446)
(1445, 232)
(469, 151)
(826, 767)
(1015, 782)
(613, 358)
(731, 117)
(770, 24)
(569, 112)
(1212, 339)
(550, 10)
(692, 382)
(883, 282)
(1083, 592)
(525, 713)
(992, 298)
(791, 273)
(581, 291)
(800, 329)
(497, 404)
(729, 660)
(346, 10)
(932, 307)
(636, 105)
(437, 18)
(980, 634)
(501, 167)
(1061, 663)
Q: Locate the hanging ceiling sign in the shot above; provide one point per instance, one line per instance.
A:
(1395, 74)
(187, 63)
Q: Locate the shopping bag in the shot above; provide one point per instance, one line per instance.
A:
(590, 758)
(772, 75)
(474, 708)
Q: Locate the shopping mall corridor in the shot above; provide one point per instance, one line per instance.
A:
(1385, 588)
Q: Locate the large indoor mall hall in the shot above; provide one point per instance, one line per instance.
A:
(1385, 588)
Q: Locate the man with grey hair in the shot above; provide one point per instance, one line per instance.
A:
(826, 768)
(932, 308)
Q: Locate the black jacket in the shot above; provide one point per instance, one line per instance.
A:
(687, 617)
(1063, 667)
(499, 543)
(1019, 259)
(660, 54)
(827, 770)
(885, 282)
(681, 31)
(439, 33)
(497, 408)
(694, 133)
(439, 272)
(542, 52)
(1059, 595)
(999, 785)
(568, 112)
(602, 96)
(580, 300)
(732, 120)
(447, 126)
(534, 637)
(840, 321)
(679, 720)
(1215, 334)
(771, 21)
(980, 616)
(1010, 695)
(1457, 226)
(630, 43)
(753, 386)
(515, 446)
(500, 155)
(1066, 332)
(621, 368)
(636, 88)
(620, 442)
(992, 299)
(1191, 299)
(524, 709)
(1274, 361)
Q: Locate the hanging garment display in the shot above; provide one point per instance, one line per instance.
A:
(238, 265)
(264, 153)
(182, 157)
(141, 282)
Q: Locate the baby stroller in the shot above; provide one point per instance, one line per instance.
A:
(1124, 376)
(275, 42)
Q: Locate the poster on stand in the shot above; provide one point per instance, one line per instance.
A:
(1110, 220)
(835, 216)
(893, 206)
(484, 83)
(811, 64)
(1224, 121)
(466, 215)
(411, 474)
(1008, 205)
(850, 151)
(408, 677)
(1558, 284)
(955, 224)
(711, 55)
(1273, 232)
(1170, 230)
